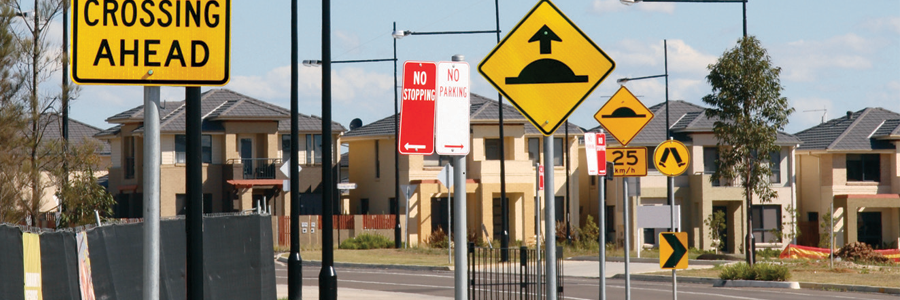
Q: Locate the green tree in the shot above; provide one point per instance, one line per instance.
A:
(79, 191)
(749, 111)
(37, 60)
(12, 176)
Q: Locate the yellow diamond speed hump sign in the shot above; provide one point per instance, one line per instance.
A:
(624, 116)
(546, 66)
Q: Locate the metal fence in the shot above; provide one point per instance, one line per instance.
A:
(516, 278)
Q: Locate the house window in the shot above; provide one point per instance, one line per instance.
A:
(181, 204)
(364, 206)
(181, 146)
(436, 160)
(710, 156)
(492, 149)
(864, 167)
(766, 221)
(534, 150)
(558, 152)
(377, 162)
(129, 157)
(313, 148)
(285, 147)
(775, 166)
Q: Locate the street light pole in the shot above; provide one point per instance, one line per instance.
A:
(327, 275)
(397, 234)
(295, 271)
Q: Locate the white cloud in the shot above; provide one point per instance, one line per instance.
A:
(682, 57)
(607, 6)
(805, 60)
(347, 40)
(890, 24)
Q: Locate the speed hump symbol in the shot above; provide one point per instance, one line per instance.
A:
(671, 158)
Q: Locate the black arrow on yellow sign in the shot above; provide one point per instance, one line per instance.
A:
(678, 250)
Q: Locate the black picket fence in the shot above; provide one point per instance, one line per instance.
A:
(515, 278)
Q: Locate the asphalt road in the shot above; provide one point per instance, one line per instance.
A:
(430, 284)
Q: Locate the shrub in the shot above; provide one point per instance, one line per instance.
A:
(438, 239)
(768, 253)
(861, 252)
(367, 241)
(759, 271)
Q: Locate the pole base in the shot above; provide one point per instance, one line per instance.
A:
(327, 283)
(295, 276)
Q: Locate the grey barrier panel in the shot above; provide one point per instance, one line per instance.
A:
(59, 266)
(12, 266)
(238, 259)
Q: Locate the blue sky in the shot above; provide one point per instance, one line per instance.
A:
(839, 55)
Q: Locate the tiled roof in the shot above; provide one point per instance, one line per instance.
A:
(685, 118)
(856, 131)
(78, 131)
(481, 109)
(219, 105)
(308, 124)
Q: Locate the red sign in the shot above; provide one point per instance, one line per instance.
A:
(416, 134)
(540, 178)
(601, 154)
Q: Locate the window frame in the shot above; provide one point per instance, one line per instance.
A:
(868, 164)
(761, 230)
(491, 152)
(205, 148)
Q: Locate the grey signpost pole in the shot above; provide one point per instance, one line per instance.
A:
(601, 219)
(151, 192)
(537, 224)
(626, 219)
(550, 218)
(459, 207)
(450, 178)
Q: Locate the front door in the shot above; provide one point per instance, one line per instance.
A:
(723, 234)
(868, 228)
(247, 157)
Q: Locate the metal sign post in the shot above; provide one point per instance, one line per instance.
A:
(626, 219)
(538, 187)
(601, 219)
(550, 220)
(151, 193)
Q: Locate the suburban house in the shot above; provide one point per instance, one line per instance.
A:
(371, 166)
(696, 192)
(244, 142)
(853, 163)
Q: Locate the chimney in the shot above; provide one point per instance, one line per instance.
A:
(849, 115)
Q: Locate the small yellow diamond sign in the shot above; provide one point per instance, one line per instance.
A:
(624, 116)
(546, 67)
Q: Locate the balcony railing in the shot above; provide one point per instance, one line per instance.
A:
(258, 168)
